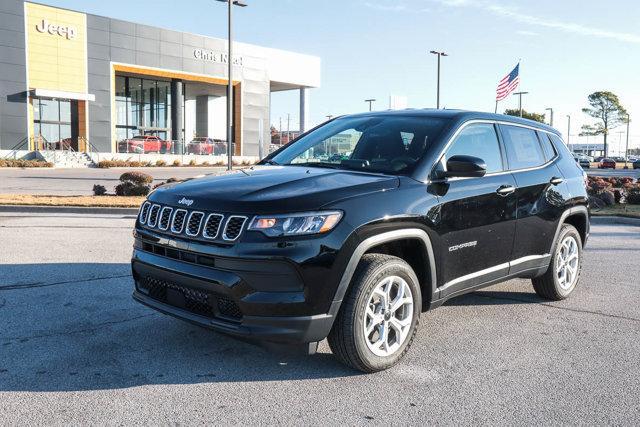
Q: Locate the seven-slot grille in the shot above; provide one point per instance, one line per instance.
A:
(192, 223)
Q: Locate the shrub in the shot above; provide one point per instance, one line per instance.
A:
(607, 197)
(192, 162)
(177, 162)
(128, 188)
(21, 163)
(205, 164)
(633, 195)
(161, 163)
(139, 178)
(99, 190)
(596, 203)
(617, 194)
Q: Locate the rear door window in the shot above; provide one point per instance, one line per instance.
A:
(522, 147)
(547, 146)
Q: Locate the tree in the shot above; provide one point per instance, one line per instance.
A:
(606, 107)
(525, 114)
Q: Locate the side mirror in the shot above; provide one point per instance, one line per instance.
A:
(465, 167)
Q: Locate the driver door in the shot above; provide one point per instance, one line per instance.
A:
(477, 215)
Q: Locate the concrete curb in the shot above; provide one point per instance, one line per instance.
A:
(68, 209)
(615, 220)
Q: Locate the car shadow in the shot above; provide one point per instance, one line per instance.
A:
(75, 327)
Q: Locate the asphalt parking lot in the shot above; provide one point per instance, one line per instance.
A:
(76, 349)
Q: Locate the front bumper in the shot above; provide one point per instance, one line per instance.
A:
(227, 300)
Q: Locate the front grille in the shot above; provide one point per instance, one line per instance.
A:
(193, 225)
(212, 226)
(196, 301)
(153, 215)
(178, 221)
(165, 218)
(144, 212)
(205, 225)
(234, 227)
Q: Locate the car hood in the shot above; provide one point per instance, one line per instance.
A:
(272, 189)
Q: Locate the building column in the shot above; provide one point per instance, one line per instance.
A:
(304, 109)
(177, 100)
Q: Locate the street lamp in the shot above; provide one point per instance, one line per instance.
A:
(435, 52)
(370, 101)
(550, 116)
(626, 151)
(230, 85)
(519, 95)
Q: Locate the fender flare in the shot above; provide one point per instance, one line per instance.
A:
(389, 236)
(579, 210)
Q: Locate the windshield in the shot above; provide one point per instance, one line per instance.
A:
(387, 144)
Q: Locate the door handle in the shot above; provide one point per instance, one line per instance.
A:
(505, 190)
(556, 180)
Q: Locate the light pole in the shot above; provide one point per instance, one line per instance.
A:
(569, 129)
(626, 150)
(370, 101)
(435, 52)
(550, 116)
(230, 3)
(519, 95)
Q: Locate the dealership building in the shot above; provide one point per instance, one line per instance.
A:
(86, 83)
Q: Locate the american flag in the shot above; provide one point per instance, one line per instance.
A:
(508, 84)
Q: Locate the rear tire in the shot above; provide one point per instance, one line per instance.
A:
(563, 273)
(379, 315)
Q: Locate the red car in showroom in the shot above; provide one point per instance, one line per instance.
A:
(144, 144)
(201, 145)
(607, 163)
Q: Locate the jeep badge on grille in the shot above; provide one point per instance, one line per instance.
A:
(185, 201)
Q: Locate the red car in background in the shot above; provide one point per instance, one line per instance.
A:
(607, 164)
(144, 144)
(201, 145)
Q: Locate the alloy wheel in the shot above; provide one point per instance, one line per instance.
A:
(388, 316)
(567, 262)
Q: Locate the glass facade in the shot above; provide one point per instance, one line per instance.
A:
(52, 123)
(143, 108)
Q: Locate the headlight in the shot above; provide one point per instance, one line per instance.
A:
(296, 224)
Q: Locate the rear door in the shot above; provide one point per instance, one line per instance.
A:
(477, 215)
(541, 195)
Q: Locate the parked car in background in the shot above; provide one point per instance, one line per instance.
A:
(607, 163)
(636, 164)
(142, 144)
(584, 162)
(598, 159)
(618, 159)
(220, 147)
(201, 145)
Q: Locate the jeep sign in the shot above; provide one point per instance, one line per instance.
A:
(46, 27)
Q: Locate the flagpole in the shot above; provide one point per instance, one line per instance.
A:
(496, 111)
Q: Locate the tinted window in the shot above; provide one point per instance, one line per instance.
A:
(389, 144)
(523, 147)
(547, 146)
(478, 140)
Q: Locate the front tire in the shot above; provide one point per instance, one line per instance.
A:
(563, 273)
(379, 315)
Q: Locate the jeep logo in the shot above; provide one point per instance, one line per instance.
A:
(185, 201)
(62, 31)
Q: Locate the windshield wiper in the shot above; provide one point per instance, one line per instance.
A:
(318, 165)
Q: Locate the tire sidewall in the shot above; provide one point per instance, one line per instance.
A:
(390, 268)
(566, 231)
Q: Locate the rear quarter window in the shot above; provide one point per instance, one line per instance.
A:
(523, 147)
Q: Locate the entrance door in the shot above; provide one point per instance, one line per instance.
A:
(55, 123)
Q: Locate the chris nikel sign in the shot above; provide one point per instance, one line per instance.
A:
(45, 26)
(207, 55)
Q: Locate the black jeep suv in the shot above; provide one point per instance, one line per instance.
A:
(357, 227)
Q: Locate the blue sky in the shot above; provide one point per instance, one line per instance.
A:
(375, 48)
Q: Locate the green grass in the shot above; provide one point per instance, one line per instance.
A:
(629, 211)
